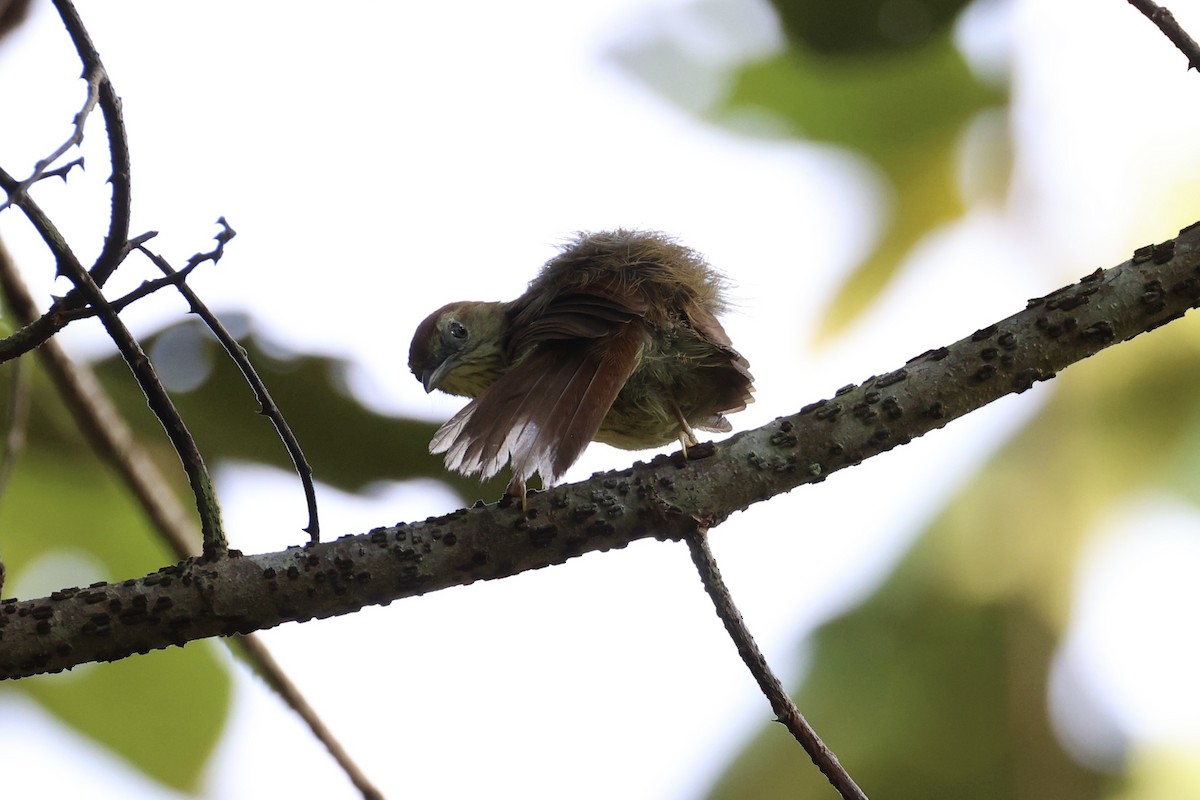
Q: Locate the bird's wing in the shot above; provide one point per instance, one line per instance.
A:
(572, 357)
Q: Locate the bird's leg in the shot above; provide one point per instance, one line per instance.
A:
(687, 436)
(516, 488)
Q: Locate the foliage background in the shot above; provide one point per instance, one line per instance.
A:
(1001, 610)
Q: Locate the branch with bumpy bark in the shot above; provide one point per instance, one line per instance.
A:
(668, 498)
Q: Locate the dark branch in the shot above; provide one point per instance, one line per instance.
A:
(1166, 23)
(267, 405)
(781, 702)
(116, 242)
(667, 498)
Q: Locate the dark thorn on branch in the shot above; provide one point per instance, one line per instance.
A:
(64, 170)
(267, 405)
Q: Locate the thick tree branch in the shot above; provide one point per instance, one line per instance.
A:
(667, 498)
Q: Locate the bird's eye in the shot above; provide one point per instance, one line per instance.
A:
(458, 330)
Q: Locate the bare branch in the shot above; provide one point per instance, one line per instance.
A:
(668, 498)
(93, 75)
(1166, 23)
(267, 405)
(781, 702)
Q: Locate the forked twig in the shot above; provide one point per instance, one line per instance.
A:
(781, 702)
(267, 405)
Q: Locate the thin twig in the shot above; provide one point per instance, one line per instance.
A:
(116, 242)
(781, 703)
(267, 405)
(1166, 23)
(157, 397)
(279, 681)
(147, 288)
(112, 439)
(93, 75)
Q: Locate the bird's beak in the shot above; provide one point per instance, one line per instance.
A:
(432, 377)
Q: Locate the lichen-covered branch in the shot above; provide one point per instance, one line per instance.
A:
(667, 498)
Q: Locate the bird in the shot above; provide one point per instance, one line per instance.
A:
(616, 340)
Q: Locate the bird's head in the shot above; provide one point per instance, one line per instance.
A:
(460, 348)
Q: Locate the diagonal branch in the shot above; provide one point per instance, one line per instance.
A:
(668, 498)
(781, 702)
(1166, 23)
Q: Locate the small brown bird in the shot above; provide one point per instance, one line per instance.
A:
(617, 340)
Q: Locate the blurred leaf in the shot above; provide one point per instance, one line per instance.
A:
(924, 693)
(936, 686)
(904, 112)
(1117, 424)
(163, 712)
(849, 78)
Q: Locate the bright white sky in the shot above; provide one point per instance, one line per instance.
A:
(389, 158)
